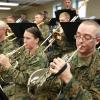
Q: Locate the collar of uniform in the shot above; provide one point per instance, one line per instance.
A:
(38, 51)
(85, 61)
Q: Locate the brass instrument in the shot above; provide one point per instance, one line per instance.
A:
(42, 79)
(56, 30)
(56, 34)
(10, 34)
(40, 24)
(14, 51)
(14, 61)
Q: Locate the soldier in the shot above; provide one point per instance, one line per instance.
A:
(42, 25)
(5, 44)
(65, 45)
(61, 44)
(10, 19)
(81, 76)
(29, 59)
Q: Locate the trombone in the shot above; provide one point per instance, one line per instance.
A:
(55, 36)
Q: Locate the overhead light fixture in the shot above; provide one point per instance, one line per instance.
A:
(8, 4)
(5, 8)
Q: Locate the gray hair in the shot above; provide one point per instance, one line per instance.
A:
(3, 24)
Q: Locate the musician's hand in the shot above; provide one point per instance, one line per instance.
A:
(55, 67)
(5, 61)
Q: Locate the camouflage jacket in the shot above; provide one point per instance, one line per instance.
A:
(21, 72)
(85, 84)
(44, 30)
(6, 46)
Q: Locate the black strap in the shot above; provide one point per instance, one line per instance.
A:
(53, 76)
(61, 70)
(2, 95)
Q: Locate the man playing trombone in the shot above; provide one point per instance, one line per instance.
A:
(61, 45)
(41, 24)
(81, 76)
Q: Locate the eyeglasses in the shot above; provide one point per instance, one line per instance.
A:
(85, 37)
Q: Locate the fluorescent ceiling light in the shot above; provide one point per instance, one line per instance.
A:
(8, 4)
(5, 8)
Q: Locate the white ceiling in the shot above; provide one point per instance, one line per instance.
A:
(28, 1)
(25, 4)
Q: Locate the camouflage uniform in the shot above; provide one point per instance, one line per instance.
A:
(6, 46)
(17, 90)
(85, 84)
(49, 90)
(44, 30)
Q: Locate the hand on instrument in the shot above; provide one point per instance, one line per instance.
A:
(56, 66)
(5, 61)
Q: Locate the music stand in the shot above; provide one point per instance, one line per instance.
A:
(70, 29)
(72, 13)
(52, 22)
(19, 29)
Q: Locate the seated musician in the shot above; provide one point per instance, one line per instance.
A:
(10, 19)
(5, 44)
(81, 76)
(42, 25)
(61, 44)
(30, 58)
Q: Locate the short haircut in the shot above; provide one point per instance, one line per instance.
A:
(40, 13)
(65, 14)
(93, 23)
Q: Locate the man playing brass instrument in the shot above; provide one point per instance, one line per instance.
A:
(82, 75)
(5, 44)
(30, 59)
(61, 44)
(41, 24)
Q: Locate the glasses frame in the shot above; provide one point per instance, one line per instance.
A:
(84, 37)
